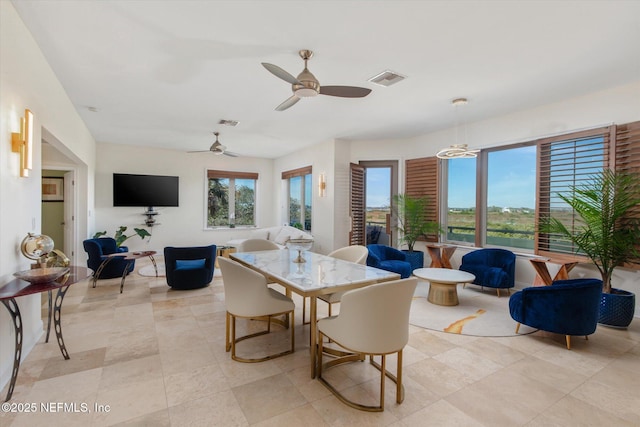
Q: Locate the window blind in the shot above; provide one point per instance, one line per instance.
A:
(219, 174)
(421, 180)
(563, 162)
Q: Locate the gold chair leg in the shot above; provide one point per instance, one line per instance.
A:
(304, 312)
(227, 325)
(383, 364)
(235, 340)
(517, 327)
(359, 357)
(586, 337)
(568, 338)
(498, 291)
(399, 387)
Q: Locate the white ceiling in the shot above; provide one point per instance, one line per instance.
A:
(163, 73)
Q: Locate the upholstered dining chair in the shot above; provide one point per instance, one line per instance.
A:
(247, 296)
(567, 307)
(189, 267)
(354, 253)
(373, 321)
(255, 245)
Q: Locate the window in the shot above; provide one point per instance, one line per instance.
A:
(300, 196)
(501, 199)
(461, 200)
(231, 199)
(511, 197)
(516, 187)
(567, 161)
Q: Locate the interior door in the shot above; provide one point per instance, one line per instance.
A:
(68, 215)
(357, 205)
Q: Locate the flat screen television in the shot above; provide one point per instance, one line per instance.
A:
(145, 190)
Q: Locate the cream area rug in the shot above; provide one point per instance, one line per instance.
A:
(149, 271)
(480, 313)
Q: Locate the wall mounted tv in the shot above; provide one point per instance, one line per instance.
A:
(144, 190)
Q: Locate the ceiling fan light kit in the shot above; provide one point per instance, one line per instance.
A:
(306, 85)
(217, 148)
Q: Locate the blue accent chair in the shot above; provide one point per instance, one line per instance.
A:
(98, 249)
(567, 307)
(189, 267)
(493, 268)
(390, 259)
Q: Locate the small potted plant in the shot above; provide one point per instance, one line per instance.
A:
(607, 234)
(411, 212)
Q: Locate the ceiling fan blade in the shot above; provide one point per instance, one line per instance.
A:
(288, 103)
(345, 91)
(199, 151)
(231, 154)
(280, 73)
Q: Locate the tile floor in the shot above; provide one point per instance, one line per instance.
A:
(155, 357)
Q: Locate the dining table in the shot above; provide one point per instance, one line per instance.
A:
(318, 275)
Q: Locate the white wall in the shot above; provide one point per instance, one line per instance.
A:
(27, 81)
(183, 225)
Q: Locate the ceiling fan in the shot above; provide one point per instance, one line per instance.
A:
(306, 85)
(217, 148)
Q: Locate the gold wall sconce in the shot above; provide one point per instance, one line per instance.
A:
(322, 185)
(22, 143)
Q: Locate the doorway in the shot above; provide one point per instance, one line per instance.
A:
(374, 196)
(57, 212)
(60, 216)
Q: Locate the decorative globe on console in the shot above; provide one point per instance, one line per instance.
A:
(36, 247)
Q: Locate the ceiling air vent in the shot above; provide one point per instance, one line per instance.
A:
(387, 78)
(228, 122)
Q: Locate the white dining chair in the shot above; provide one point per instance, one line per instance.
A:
(373, 321)
(254, 245)
(354, 253)
(247, 296)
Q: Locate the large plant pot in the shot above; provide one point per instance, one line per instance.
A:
(415, 258)
(617, 308)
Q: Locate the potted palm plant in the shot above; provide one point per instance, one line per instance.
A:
(412, 225)
(607, 234)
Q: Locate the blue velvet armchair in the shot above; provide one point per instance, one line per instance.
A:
(98, 249)
(567, 307)
(493, 268)
(390, 259)
(189, 267)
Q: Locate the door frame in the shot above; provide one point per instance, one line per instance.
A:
(394, 165)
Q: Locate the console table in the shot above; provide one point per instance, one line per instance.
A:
(128, 256)
(440, 255)
(543, 277)
(17, 288)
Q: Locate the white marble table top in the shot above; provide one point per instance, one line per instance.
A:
(444, 275)
(319, 275)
